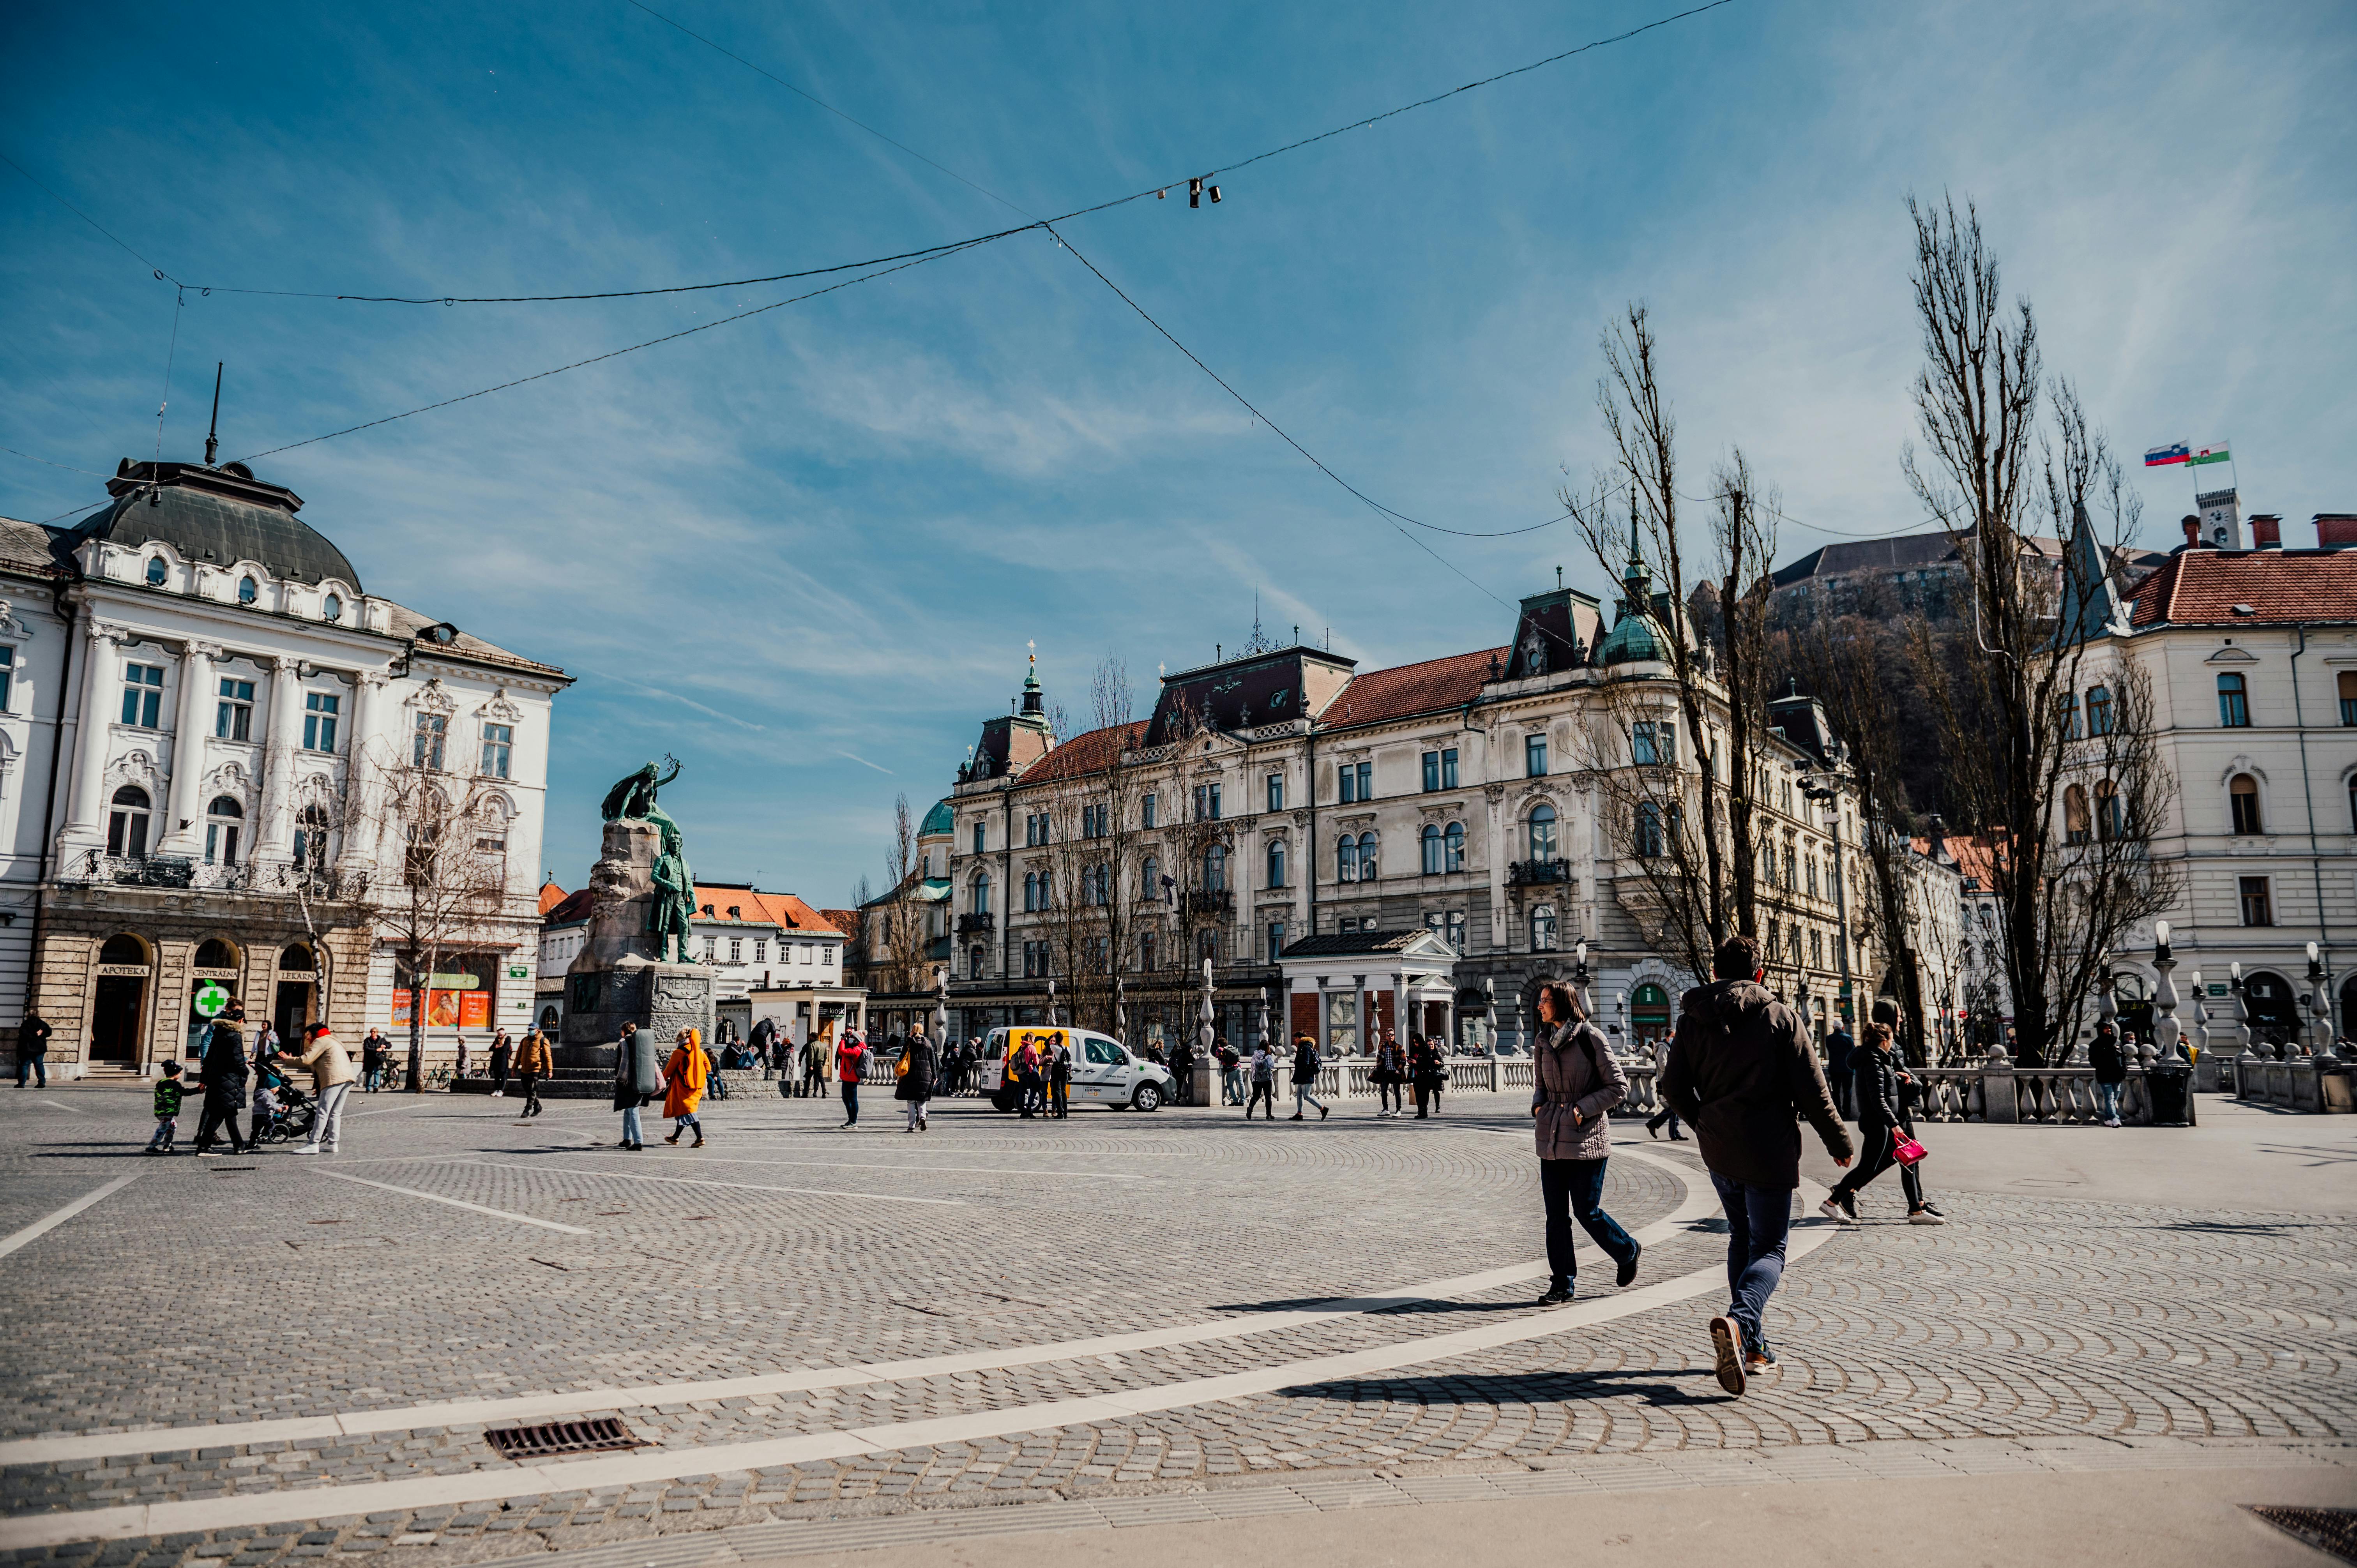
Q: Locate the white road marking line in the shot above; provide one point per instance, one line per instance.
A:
(1700, 1200)
(739, 1186)
(43, 1226)
(61, 1105)
(670, 1464)
(929, 1170)
(386, 1111)
(457, 1203)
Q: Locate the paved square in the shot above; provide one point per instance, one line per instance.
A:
(1119, 1319)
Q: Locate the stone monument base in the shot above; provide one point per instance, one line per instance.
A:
(662, 998)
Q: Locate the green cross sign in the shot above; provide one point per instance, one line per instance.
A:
(212, 997)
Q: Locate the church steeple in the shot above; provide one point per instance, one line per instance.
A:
(1031, 708)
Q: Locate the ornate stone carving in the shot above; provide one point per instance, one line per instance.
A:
(500, 709)
(10, 626)
(435, 698)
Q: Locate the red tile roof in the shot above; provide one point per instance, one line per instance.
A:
(2202, 587)
(1396, 693)
(570, 911)
(551, 896)
(758, 908)
(843, 920)
(1086, 753)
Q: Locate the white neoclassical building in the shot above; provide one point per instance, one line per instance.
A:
(242, 732)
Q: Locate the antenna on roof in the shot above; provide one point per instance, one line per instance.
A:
(212, 435)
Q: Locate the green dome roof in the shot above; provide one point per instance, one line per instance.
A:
(940, 821)
(1631, 639)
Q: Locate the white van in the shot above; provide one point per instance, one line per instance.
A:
(1103, 1072)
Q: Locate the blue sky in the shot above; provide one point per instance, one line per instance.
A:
(806, 551)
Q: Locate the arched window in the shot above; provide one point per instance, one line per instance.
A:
(1428, 846)
(334, 606)
(2074, 814)
(296, 958)
(1542, 831)
(1453, 853)
(1345, 860)
(126, 823)
(982, 894)
(124, 948)
(1542, 928)
(973, 961)
(248, 590)
(311, 837)
(223, 818)
(2099, 710)
(1104, 883)
(2234, 702)
(1030, 892)
(1149, 879)
(1276, 863)
(155, 570)
(2243, 796)
(1366, 857)
(215, 953)
(2111, 820)
(1215, 868)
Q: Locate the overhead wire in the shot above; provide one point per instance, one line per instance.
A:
(86, 218)
(1139, 194)
(69, 467)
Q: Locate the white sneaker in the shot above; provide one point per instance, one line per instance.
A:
(1836, 1213)
(1925, 1216)
(306, 1149)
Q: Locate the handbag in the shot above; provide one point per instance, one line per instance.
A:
(1904, 1149)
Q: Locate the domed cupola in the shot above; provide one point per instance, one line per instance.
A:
(218, 516)
(1632, 639)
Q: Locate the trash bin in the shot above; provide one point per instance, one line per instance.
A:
(2170, 1084)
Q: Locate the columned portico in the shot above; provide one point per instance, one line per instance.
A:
(86, 822)
(183, 822)
(277, 841)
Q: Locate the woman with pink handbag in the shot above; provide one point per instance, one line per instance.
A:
(1883, 1139)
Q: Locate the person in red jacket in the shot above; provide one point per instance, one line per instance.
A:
(850, 1061)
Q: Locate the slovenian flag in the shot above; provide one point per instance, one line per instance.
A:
(2215, 453)
(2162, 456)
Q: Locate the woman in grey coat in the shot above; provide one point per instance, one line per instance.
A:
(1578, 1083)
(638, 1079)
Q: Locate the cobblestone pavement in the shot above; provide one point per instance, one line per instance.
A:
(260, 1289)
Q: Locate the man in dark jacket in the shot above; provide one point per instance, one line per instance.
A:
(2111, 1065)
(33, 1051)
(1838, 1048)
(224, 1068)
(1740, 1068)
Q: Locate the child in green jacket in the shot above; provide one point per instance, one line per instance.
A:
(168, 1092)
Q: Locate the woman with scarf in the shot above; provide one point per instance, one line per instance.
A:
(684, 1077)
(1578, 1083)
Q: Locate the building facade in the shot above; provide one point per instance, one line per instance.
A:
(262, 772)
(1283, 794)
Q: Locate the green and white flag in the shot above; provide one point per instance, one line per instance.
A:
(2214, 453)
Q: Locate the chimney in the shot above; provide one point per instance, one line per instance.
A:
(2193, 534)
(2266, 531)
(2334, 529)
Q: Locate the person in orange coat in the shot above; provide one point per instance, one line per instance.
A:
(684, 1077)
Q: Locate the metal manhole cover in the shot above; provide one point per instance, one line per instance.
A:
(2327, 1530)
(562, 1437)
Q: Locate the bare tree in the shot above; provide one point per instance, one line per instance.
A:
(1094, 836)
(901, 966)
(2006, 698)
(448, 896)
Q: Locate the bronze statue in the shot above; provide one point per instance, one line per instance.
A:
(673, 905)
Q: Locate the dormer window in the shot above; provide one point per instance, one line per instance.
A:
(248, 590)
(155, 570)
(334, 607)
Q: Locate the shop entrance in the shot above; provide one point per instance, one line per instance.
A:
(119, 1007)
(291, 1005)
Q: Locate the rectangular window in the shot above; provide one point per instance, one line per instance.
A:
(709, 943)
(143, 696)
(1535, 755)
(2257, 908)
(1149, 810)
(760, 951)
(498, 740)
(1449, 769)
(1207, 802)
(1275, 787)
(425, 741)
(1644, 749)
(1276, 940)
(978, 838)
(1431, 771)
(321, 710)
(233, 718)
(735, 949)
(8, 676)
(2347, 681)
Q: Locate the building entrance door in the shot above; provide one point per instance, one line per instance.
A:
(292, 1010)
(115, 1018)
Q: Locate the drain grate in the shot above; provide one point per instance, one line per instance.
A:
(562, 1437)
(2327, 1530)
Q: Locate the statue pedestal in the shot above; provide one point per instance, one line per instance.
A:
(663, 997)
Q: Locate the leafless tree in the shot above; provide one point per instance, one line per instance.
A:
(900, 966)
(2006, 698)
(1094, 851)
(442, 891)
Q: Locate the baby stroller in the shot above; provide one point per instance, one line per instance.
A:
(291, 1116)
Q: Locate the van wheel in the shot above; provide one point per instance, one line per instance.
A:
(1147, 1097)
(1002, 1101)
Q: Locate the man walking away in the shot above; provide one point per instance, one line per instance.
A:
(850, 1061)
(1839, 1049)
(224, 1069)
(33, 1051)
(915, 1088)
(1305, 1068)
(502, 1055)
(1263, 1081)
(1183, 1070)
(638, 1079)
(168, 1110)
(1059, 1080)
(1740, 1070)
(1232, 1073)
(331, 1080)
(534, 1062)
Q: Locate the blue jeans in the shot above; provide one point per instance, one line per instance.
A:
(2107, 1100)
(631, 1131)
(1574, 1189)
(1758, 1219)
(32, 1066)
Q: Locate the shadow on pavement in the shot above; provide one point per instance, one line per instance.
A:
(1511, 1388)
